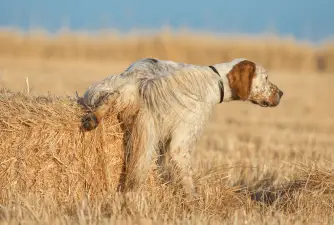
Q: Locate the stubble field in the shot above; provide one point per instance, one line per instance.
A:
(252, 165)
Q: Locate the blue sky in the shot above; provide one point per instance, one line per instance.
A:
(304, 19)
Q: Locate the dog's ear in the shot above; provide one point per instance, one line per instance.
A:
(240, 79)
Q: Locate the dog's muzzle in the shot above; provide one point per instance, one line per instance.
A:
(273, 100)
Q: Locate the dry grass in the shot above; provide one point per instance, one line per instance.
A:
(51, 170)
(252, 165)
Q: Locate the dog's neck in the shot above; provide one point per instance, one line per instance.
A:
(223, 70)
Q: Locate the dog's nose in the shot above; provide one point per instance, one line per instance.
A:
(280, 94)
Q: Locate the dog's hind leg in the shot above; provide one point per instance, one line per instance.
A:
(163, 161)
(142, 149)
(91, 120)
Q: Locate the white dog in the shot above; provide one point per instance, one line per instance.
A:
(164, 106)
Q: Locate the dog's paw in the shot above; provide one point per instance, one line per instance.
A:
(89, 122)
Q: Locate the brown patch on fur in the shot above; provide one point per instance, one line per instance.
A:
(240, 79)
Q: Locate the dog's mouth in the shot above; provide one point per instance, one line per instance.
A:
(263, 103)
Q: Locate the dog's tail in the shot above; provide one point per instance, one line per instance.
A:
(100, 97)
(98, 92)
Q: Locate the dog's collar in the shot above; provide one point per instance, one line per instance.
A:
(220, 83)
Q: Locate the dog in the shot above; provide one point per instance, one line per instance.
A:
(165, 105)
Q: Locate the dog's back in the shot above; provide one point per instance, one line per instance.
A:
(150, 68)
(142, 69)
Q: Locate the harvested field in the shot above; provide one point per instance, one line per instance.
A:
(273, 52)
(252, 165)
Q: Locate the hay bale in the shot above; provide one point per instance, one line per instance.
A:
(44, 153)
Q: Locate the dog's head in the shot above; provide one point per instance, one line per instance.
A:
(249, 81)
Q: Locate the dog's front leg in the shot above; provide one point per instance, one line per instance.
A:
(182, 169)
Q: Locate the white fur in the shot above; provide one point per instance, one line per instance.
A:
(169, 104)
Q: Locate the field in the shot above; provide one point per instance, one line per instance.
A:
(253, 165)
